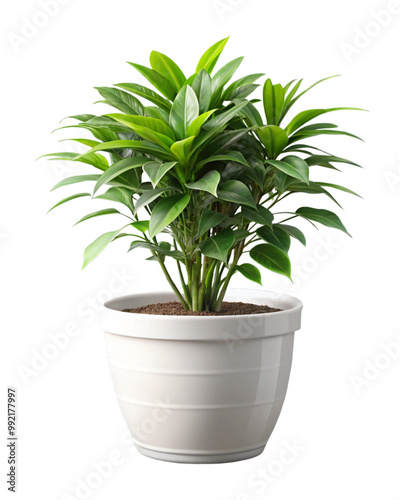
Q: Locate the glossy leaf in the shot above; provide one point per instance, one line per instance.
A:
(67, 199)
(209, 183)
(273, 100)
(308, 115)
(147, 93)
(295, 233)
(318, 159)
(259, 215)
(244, 81)
(224, 74)
(157, 80)
(141, 225)
(119, 168)
(121, 100)
(272, 258)
(184, 110)
(166, 211)
(98, 245)
(322, 216)
(250, 272)
(292, 166)
(208, 220)
(236, 192)
(182, 149)
(197, 123)
(210, 57)
(234, 156)
(218, 246)
(168, 69)
(147, 197)
(75, 179)
(106, 211)
(274, 138)
(119, 195)
(276, 236)
(203, 89)
(156, 170)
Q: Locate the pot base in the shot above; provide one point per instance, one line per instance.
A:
(200, 459)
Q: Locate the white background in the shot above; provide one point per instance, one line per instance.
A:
(69, 420)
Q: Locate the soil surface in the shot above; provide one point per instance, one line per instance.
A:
(228, 309)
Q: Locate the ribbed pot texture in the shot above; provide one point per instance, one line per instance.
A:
(201, 389)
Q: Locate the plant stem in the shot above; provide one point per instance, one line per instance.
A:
(184, 304)
(231, 272)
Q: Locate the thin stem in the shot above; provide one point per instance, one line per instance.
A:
(184, 304)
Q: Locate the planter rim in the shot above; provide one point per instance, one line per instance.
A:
(170, 327)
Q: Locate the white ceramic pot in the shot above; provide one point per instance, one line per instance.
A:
(201, 389)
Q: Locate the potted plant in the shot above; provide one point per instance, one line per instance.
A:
(201, 372)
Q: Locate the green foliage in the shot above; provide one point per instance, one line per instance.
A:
(198, 172)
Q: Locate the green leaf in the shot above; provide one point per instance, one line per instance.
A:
(75, 179)
(300, 135)
(121, 100)
(89, 157)
(291, 100)
(182, 149)
(202, 87)
(250, 112)
(140, 146)
(98, 245)
(218, 246)
(272, 258)
(295, 233)
(166, 211)
(318, 159)
(106, 211)
(210, 57)
(337, 186)
(156, 170)
(223, 75)
(157, 80)
(184, 110)
(250, 272)
(234, 156)
(244, 81)
(324, 217)
(274, 138)
(282, 180)
(119, 168)
(217, 123)
(119, 195)
(147, 93)
(147, 197)
(197, 123)
(240, 234)
(308, 115)
(209, 182)
(168, 69)
(293, 166)
(311, 188)
(162, 249)
(138, 123)
(273, 100)
(236, 192)
(208, 220)
(156, 112)
(260, 215)
(69, 198)
(141, 225)
(276, 236)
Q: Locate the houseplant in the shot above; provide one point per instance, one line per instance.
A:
(199, 174)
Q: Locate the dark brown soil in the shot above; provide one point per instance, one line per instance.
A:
(228, 309)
